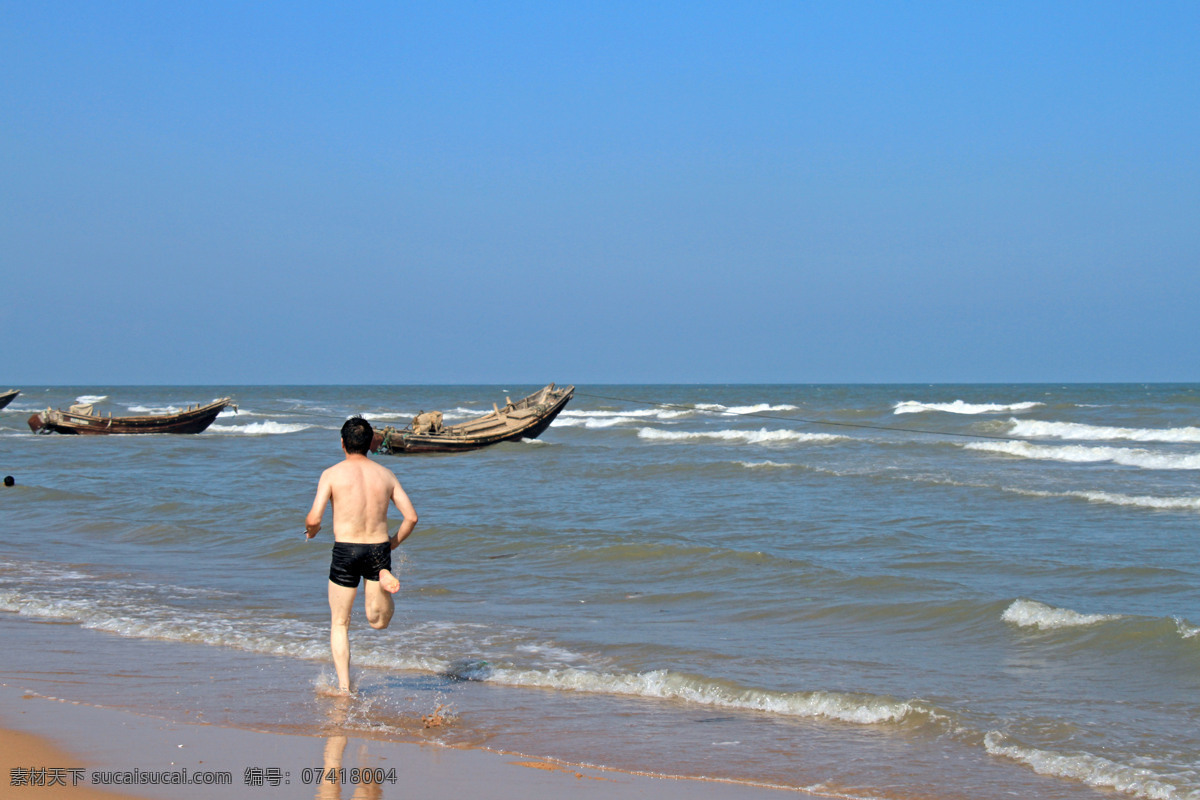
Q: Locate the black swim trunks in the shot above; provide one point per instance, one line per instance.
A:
(352, 561)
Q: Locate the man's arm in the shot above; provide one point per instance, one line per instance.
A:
(312, 523)
(405, 507)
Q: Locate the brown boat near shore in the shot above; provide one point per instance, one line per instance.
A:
(7, 397)
(525, 419)
(82, 419)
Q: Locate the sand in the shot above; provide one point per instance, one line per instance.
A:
(104, 744)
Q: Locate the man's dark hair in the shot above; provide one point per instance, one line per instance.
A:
(9, 481)
(357, 435)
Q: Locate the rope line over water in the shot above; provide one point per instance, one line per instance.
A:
(759, 415)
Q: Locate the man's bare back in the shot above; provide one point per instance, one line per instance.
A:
(360, 491)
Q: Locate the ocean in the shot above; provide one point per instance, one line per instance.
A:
(877, 591)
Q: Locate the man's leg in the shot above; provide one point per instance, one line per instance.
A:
(341, 601)
(380, 606)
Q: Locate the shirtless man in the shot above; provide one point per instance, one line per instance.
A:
(360, 491)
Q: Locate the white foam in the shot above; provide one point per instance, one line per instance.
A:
(154, 409)
(1186, 630)
(260, 428)
(764, 465)
(1108, 498)
(1084, 454)
(1086, 768)
(152, 620)
(762, 436)
(1077, 430)
(759, 408)
(1032, 614)
(91, 398)
(960, 407)
(641, 412)
(387, 415)
(464, 413)
(10, 601)
(596, 419)
(663, 684)
(592, 422)
(1141, 501)
(551, 653)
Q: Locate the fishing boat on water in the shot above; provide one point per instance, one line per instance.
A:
(7, 397)
(82, 418)
(527, 418)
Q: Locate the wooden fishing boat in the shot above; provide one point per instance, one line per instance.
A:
(7, 397)
(83, 419)
(524, 419)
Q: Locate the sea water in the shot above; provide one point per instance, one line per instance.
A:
(865, 591)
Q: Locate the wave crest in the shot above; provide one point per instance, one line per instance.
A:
(762, 436)
(1084, 454)
(1032, 614)
(961, 407)
(260, 428)
(1079, 430)
(1092, 770)
(667, 685)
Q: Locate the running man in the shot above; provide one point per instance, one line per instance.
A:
(360, 491)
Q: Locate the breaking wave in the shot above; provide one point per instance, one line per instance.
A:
(595, 422)
(1082, 454)
(762, 436)
(960, 407)
(1032, 614)
(764, 465)
(758, 408)
(140, 409)
(115, 614)
(1116, 499)
(386, 416)
(606, 419)
(1090, 769)
(667, 685)
(1077, 430)
(260, 428)
(1186, 630)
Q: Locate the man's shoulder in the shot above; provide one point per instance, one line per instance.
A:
(339, 471)
(383, 471)
(359, 467)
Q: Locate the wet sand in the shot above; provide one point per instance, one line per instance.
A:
(22, 751)
(104, 745)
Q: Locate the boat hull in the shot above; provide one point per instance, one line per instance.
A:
(194, 420)
(474, 435)
(7, 397)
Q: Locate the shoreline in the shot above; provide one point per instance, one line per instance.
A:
(108, 750)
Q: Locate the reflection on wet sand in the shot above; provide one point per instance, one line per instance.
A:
(364, 783)
(361, 781)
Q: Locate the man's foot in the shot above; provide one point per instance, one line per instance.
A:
(388, 582)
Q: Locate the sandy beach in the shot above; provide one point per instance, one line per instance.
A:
(109, 753)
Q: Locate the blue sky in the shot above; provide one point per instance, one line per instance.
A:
(793, 192)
